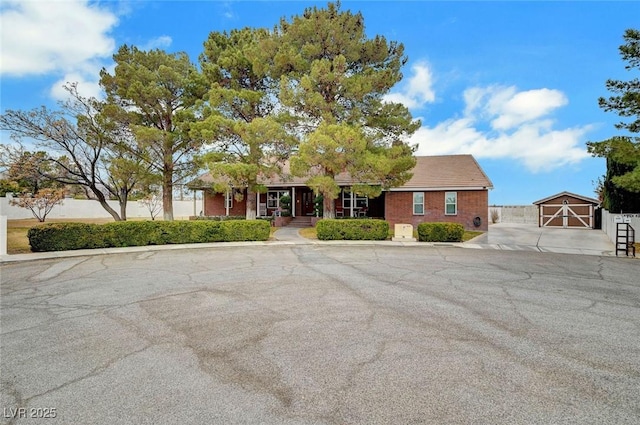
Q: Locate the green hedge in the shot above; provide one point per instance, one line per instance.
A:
(217, 217)
(440, 232)
(69, 236)
(352, 229)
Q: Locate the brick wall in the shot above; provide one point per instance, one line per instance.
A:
(214, 205)
(471, 204)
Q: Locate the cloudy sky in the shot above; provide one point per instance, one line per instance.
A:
(513, 83)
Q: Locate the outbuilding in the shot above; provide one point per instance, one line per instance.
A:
(566, 210)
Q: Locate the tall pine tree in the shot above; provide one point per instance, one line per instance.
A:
(332, 82)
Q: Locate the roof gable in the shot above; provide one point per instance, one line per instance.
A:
(565, 193)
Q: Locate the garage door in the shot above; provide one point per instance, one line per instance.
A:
(567, 215)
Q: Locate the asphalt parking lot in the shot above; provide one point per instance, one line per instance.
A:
(321, 334)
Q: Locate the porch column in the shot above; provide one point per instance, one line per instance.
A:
(226, 203)
(293, 201)
(194, 203)
(257, 204)
(351, 215)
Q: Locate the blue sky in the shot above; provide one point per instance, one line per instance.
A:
(513, 83)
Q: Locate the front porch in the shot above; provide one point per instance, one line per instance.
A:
(347, 204)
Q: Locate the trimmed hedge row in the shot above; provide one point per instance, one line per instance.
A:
(352, 229)
(217, 217)
(440, 232)
(70, 236)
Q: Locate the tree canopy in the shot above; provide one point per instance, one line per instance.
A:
(247, 140)
(332, 82)
(622, 181)
(155, 93)
(79, 148)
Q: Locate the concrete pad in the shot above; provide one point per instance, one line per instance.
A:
(546, 239)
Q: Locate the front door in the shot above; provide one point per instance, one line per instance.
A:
(304, 201)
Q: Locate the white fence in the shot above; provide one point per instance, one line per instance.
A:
(527, 214)
(609, 223)
(82, 208)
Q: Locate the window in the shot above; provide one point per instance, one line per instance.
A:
(228, 199)
(359, 201)
(273, 198)
(451, 203)
(418, 203)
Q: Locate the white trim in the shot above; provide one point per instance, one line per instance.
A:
(413, 205)
(455, 204)
(567, 213)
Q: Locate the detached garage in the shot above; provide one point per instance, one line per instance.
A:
(567, 210)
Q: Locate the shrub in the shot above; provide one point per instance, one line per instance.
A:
(217, 217)
(440, 232)
(69, 236)
(252, 230)
(352, 229)
(60, 236)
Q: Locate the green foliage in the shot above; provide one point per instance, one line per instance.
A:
(622, 181)
(318, 203)
(218, 217)
(352, 229)
(285, 205)
(156, 95)
(616, 198)
(8, 186)
(71, 236)
(247, 138)
(62, 237)
(440, 232)
(333, 80)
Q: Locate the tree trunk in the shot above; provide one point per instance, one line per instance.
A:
(328, 205)
(251, 211)
(123, 209)
(167, 192)
(110, 210)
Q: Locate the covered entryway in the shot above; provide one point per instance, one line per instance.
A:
(304, 201)
(566, 210)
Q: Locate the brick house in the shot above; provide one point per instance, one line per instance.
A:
(447, 188)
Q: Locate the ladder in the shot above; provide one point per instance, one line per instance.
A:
(625, 239)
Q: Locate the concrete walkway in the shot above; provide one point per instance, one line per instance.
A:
(290, 234)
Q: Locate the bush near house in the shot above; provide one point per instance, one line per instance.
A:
(352, 229)
(217, 217)
(70, 236)
(440, 232)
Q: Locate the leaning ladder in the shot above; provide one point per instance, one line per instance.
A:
(625, 239)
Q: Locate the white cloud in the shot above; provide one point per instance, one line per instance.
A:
(519, 129)
(418, 91)
(158, 43)
(44, 36)
(86, 88)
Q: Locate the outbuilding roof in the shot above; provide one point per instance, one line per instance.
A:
(442, 172)
(565, 193)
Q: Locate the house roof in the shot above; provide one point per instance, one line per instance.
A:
(447, 172)
(443, 172)
(565, 193)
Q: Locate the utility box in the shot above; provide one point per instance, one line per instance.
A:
(403, 233)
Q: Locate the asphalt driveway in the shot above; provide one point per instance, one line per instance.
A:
(321, 334)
